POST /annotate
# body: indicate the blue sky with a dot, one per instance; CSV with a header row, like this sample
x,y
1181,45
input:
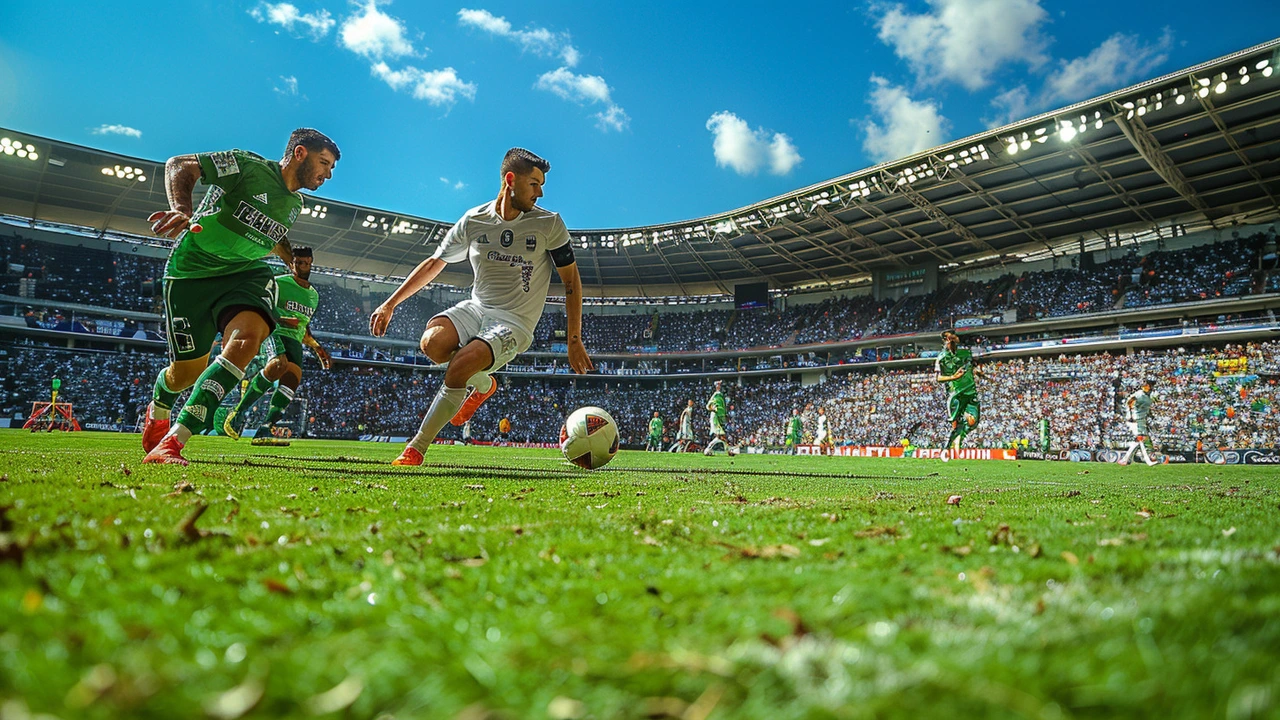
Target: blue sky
x,y
649,112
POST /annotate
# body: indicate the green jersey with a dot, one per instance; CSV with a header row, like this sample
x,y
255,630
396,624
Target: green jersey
x,y
247,210
655,427
794,427
295,301
718,405
949,363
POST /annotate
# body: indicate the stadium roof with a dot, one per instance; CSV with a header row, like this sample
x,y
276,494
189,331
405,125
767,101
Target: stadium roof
x,y
1199,148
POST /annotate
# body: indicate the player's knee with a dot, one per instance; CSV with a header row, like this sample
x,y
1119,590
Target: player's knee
x,y
275,368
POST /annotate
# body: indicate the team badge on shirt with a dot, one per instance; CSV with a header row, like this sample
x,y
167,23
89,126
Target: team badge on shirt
x,y
507,238
224,163
261,197
530,242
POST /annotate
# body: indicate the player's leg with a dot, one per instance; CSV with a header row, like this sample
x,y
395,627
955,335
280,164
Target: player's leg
x,y
505,341
290,379
473,357
243,306
262,382
189,332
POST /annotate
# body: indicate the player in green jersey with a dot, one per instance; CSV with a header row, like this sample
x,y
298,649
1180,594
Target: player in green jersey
x,y
216,280
719,409
655,433
955,367
298,299
795,431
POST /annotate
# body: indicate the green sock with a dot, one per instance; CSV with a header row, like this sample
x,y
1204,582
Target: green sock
x,y
162,397
214,382
279,402
257,389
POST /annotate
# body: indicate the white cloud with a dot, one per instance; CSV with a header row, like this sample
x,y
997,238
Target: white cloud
x,y
290,84
905,126
318,24
117,130
586,89
438,87
965,41
744,150
1119,60
537,40
374,34
455,185
1009,106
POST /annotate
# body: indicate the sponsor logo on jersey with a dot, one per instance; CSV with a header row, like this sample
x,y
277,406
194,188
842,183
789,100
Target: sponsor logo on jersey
x,y
507,238
261,197
199,411
298,307
484,239
258,220
530,242
224,163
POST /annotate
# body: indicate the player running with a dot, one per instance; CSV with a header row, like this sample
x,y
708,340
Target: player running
x,y
684,437
794,432
216,280
821,438
655,433
1137,410
955,367
296,298
512,245
719,410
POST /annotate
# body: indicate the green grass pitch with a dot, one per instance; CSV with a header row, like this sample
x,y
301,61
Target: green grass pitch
x,y
316,580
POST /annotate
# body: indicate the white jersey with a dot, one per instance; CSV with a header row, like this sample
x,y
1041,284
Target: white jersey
x,y
511,260
686,422
822,424
1141,407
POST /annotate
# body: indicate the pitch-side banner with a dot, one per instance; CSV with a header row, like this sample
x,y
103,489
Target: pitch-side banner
x,y
896,451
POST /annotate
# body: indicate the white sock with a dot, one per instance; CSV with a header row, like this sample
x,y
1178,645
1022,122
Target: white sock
x,y
481,381
1128,454
179,431
443,408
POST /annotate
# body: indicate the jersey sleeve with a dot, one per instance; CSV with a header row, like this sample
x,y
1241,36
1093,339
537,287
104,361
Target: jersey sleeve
x,y
557,234
937,366
223,169
455,244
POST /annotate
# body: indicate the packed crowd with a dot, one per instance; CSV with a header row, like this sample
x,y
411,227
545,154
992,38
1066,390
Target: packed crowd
x,y
1233,267
1224,397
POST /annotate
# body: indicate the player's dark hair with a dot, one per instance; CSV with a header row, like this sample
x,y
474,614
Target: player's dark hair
x,y
522,162
301,251
313,140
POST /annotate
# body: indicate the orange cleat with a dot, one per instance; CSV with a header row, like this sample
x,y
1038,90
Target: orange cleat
x,y
153,430
409,457
472,404
168,452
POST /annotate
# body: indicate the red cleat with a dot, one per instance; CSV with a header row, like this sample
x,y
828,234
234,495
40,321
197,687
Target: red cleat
x,y
472,404
409,457
168,452
153,430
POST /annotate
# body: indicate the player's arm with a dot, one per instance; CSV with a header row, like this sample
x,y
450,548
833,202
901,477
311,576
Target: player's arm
x,y
568,269
422,275
181,173
321,354
284,251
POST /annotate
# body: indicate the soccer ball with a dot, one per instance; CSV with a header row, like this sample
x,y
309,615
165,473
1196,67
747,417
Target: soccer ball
x,y
589,438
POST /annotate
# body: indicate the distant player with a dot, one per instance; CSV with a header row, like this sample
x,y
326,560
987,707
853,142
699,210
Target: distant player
x,y
794,432
295,298
955,367
822,438
215,280
1137,410
512,245
655,433
684,437
719,409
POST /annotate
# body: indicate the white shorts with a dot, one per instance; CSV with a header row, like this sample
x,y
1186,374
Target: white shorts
x,y
1138,428
686,433
498,329
821,438
717,428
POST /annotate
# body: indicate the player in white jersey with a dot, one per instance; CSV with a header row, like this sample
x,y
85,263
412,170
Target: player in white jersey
x,y
685,435
820,438
512,245
1137,410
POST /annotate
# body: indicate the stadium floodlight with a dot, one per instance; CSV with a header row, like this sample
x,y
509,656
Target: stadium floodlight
x,y
1067,132
1220,88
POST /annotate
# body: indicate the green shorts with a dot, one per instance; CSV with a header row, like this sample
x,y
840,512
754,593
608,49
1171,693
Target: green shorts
x,y
278,344
197,309
960,405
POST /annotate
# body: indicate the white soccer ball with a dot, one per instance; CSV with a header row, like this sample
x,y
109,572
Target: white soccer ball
x,y
589,438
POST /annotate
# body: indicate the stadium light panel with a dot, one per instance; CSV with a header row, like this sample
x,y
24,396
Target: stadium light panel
x,y
1220,88
1262,64
1203,92
1067,133
1244,80
1025,144
1181,98
1013,148
1266,71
